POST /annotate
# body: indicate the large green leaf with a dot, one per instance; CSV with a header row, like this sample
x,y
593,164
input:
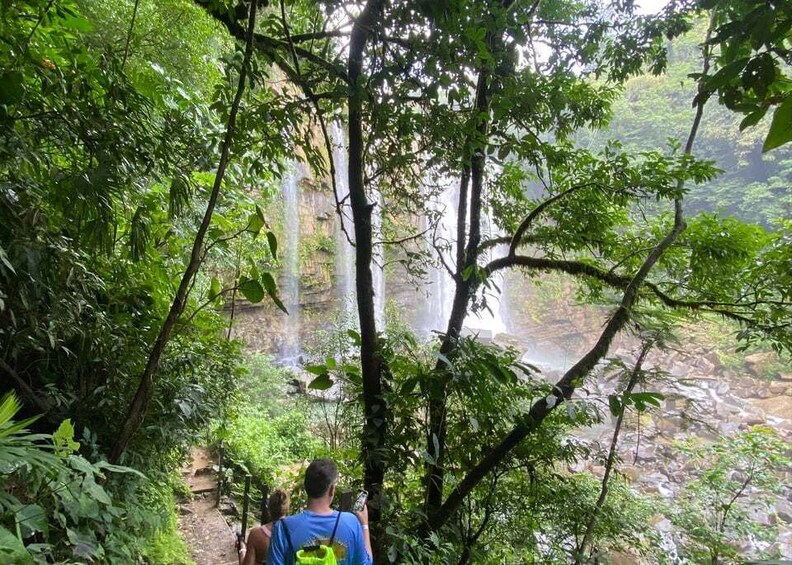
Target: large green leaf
x,y
32,518
273,244
781,126
252,290
12,551
322,382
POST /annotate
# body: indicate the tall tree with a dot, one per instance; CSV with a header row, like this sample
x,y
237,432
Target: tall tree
x,y
489,93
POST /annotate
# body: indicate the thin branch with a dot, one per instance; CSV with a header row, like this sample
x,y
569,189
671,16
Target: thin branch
x,y
634,375
300,37
38,22
129,34
403,240
145,390
526,223
25,390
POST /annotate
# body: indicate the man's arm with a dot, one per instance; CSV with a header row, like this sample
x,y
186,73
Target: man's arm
x,y
362,517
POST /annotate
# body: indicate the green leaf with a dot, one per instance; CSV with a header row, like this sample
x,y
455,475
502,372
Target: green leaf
x,y
252,290
77,23
32,518
97,493
753,118
214,288
322,382
12,551
781,127
255,223
119,469
408,386
83,545
726,74
273,244
615,405
644,398
355,337
316,369
4,259
63,439
281,306
269,283
444,359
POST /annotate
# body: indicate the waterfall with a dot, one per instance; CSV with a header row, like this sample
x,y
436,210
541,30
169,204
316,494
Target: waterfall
x,y
291,346
344,259
344,262
377,260
486,322
440,294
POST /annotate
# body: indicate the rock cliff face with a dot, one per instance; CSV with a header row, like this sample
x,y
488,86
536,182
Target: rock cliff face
x,y
263,327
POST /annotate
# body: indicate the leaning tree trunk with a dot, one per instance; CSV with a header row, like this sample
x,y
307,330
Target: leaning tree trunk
x,y
145,391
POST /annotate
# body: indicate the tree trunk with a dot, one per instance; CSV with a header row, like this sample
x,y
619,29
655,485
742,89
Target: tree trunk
x,y
374,406
145,391
467,257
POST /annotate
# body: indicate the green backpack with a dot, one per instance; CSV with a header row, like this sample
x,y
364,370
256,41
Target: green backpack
x,y
313,554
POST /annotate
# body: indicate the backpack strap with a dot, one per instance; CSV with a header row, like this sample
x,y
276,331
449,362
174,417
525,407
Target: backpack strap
x,y
288,535
332,537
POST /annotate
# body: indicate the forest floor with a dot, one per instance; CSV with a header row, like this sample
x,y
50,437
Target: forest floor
x,y
211,540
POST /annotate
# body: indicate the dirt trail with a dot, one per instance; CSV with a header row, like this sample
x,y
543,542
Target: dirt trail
x,y
211,540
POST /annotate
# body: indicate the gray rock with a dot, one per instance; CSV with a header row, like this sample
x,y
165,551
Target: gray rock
x,y
783,510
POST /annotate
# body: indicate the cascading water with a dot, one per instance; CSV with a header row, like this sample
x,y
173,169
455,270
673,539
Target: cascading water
x,y
377,261
344,253
487,322
291,345
440,291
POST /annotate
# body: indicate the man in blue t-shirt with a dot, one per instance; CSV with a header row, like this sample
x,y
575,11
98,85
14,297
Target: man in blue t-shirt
x,y
314,526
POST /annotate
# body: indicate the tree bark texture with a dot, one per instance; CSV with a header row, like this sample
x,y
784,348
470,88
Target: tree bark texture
x,y
375,408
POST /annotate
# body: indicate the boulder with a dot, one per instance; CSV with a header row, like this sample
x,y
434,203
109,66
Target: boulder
x,y
779,389
783,510
714,359
759,362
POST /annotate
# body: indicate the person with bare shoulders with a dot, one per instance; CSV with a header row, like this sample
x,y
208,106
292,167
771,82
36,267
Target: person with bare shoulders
x,y
255,550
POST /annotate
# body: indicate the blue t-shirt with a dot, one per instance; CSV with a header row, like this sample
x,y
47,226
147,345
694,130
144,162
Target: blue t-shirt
x,y
309,528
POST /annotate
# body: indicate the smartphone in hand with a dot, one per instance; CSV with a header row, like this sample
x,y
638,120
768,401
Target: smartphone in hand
x,y
360,501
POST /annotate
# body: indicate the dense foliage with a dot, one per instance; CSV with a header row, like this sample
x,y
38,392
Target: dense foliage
x,y
140,142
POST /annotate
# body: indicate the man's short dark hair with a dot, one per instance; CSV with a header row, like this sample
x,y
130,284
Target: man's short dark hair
x,y
320,475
